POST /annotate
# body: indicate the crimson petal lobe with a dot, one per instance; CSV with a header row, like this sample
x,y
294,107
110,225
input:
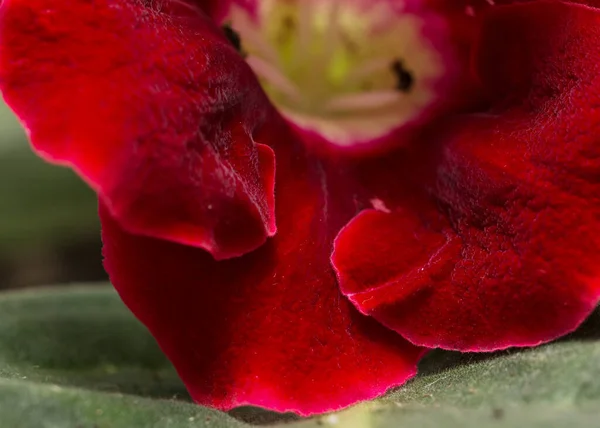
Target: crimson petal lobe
x,y
271,328
153,107
507,253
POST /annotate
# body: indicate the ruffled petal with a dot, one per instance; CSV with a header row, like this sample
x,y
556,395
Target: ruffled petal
x,y
155,110
271,328
502,247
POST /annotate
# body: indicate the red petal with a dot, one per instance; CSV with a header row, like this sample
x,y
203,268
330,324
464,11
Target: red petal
x,y
592,3
153,107
507,252
216,9
271,328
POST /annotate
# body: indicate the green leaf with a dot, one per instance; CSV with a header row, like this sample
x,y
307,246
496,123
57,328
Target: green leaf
x,y
75,357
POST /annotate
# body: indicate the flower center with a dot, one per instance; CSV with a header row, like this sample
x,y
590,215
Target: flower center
x,y
351,72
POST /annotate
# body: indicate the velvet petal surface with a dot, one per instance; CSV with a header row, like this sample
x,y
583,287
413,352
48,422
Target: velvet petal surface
x,y
271,328
503,247
216,9
153,107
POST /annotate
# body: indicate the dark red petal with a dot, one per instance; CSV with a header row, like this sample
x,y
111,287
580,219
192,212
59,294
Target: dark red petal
x,y
475,7
216,9
592,3
507,251
271,328
153,107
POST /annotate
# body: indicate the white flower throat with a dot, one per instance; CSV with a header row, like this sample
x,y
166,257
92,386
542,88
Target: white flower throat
x,y
349,71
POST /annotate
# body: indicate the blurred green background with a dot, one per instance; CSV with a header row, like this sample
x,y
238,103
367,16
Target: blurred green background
x,y
49,230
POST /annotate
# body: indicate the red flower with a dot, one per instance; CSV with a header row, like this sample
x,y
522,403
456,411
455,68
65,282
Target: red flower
x,y
444,155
